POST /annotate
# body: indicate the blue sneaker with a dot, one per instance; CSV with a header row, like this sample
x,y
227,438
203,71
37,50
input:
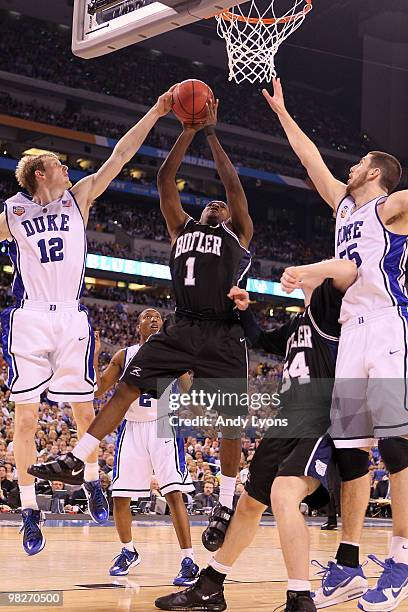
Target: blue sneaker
x,y
339,584
33,539
391,589
188,573
124,561
97,503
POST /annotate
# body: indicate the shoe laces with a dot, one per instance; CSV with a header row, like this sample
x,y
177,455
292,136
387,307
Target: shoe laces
x,y
30,527
186,567
98,495
385,580
124,556
326,570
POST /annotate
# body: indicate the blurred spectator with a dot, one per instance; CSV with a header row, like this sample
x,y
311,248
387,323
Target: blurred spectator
x,y
206,499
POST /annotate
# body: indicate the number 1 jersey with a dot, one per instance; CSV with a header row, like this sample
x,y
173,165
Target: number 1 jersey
x,y
48,250
205,262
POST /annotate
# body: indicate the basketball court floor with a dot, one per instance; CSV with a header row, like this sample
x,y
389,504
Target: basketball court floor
x,y
78,555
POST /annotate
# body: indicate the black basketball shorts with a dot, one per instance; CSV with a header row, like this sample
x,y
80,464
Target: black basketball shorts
x,y
290,457
215,351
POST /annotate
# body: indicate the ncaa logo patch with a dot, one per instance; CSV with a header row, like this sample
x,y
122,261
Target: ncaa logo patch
x,y
18,210
344,212
320,467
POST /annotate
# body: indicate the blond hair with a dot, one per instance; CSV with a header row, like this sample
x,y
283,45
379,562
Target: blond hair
x,y
26,168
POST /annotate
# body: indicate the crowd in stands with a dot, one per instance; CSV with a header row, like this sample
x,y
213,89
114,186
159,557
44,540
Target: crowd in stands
x,y
139,75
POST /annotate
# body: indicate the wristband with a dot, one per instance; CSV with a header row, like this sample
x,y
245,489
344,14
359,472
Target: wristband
x,y
209,130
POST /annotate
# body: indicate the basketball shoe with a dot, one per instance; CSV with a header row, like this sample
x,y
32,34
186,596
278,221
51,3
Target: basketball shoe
x,y
188,573
391,588
66,468
33,539
213,536
124,561
299,603
339,584
97,503
205,596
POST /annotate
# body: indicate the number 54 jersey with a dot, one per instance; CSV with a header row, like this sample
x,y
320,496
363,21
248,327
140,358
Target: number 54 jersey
x,y
48,250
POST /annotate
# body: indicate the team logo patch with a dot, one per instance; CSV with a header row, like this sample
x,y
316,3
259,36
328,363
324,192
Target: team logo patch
x,y
135,371
320,467
18,210
66,204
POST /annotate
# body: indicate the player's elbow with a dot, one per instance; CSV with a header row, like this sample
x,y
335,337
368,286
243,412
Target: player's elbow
x,y
347,274
164,176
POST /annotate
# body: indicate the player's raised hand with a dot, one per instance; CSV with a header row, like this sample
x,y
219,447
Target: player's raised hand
x,y
212,112
277,101
291,280
240,297
165,102
97,343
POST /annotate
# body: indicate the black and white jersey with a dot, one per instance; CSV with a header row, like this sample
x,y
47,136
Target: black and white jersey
x,y
205,262
309,344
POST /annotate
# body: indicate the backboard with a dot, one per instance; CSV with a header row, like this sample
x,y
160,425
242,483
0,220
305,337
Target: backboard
x,y
103,26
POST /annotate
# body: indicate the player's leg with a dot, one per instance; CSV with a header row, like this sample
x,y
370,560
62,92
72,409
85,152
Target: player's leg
x,y
25,453
166,452
344,579
392,587
208,592
98,505
128,556
188,573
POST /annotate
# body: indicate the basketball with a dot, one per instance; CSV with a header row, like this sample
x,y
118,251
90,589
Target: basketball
x,y
189,101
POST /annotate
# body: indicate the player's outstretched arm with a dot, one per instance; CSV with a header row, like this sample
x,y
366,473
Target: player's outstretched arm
x,y
90,187
170,203
111,375
236,198
329,187
342,271
271,341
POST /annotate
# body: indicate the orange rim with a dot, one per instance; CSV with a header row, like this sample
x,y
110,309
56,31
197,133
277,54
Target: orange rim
x,y
228,16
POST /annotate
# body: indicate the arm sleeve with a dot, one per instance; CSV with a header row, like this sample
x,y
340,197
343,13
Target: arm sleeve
x,y
271,341
325,307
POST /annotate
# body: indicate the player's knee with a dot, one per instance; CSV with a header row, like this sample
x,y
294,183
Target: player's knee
x,y
394,453
231,432
248,506
285,496
121,503
26,421
353,463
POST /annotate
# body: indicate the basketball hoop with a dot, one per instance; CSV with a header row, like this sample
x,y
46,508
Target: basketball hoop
x,y
253,36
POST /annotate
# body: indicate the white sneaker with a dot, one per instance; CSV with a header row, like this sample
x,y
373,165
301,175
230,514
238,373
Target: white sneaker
x,y
339,584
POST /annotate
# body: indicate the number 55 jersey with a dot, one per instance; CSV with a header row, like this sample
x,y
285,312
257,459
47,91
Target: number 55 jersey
x,y
47,340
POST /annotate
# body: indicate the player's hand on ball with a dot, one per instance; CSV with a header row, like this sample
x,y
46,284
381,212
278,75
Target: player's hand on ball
x,y
277,101
165,102
240,297
212,112
97,342
290,279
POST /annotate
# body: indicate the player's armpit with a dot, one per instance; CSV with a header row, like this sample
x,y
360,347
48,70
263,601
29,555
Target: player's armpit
x,y
4,228
111,375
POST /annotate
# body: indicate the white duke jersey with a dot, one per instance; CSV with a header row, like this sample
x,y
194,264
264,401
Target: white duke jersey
x,y
49,248
145,407
380,255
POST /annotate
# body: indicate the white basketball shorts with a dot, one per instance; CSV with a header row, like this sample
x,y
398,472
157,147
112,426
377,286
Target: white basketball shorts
x,y
139,452
370,397
49,346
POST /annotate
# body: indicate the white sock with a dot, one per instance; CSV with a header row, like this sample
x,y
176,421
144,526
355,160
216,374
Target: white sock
x,y
85,447
129,546
28,498
227,490
91,472
219,567
299,585
399,549
187,552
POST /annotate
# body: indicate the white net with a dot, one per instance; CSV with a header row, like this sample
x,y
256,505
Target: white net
x,y
253,32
